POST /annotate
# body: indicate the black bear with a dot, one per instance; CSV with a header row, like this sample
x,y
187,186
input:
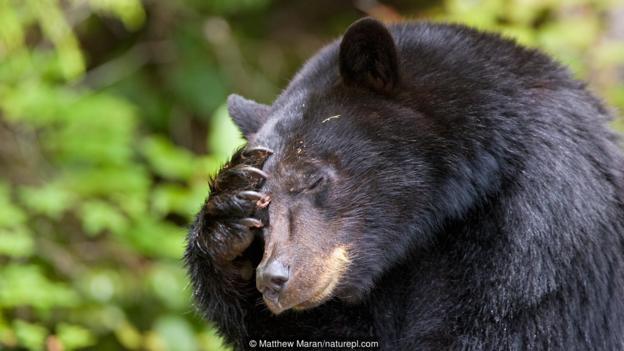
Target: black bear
x,y
425,186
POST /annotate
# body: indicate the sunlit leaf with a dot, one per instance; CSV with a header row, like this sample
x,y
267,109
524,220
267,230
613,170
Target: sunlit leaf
x,y
10,214
128,336
16,242
74,336
129,11
98,216
11,30
25,285
225,137
36,102
166,159
30,335
156,238
56,28
51,199
108,181
172,198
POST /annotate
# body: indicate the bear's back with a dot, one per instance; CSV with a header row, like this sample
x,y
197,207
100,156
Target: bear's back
x,y
435,49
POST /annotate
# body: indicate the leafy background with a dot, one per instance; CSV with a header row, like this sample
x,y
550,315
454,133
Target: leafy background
x,y
112,118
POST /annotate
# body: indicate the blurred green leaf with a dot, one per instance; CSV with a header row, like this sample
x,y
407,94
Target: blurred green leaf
x,y
74,336
56,28
233,6
51,199
16,242
25,285
36,102
225,137
169,282
210,341
98,216
108,182
171,198
128,336
129,11
30,335
101,285
10,215
156,238
166,159
107,123
198,85
176,332
610,53
7,336
11,31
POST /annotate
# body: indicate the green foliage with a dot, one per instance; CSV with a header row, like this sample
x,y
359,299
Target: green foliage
x,y
225,135
579,33
30,335
74,336
87,229
113,117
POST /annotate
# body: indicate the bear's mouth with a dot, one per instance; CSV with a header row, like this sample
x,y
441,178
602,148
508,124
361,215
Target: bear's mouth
x,y
322,288
275,305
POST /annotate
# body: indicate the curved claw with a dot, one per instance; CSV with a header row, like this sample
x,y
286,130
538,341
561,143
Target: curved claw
x,y
251,222
254,170
266,150
250,195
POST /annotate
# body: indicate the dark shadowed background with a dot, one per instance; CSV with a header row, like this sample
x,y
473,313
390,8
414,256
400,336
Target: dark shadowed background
x,y
112,118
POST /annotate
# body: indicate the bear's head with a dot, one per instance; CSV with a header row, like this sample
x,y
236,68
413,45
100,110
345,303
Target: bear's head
x,y
349,176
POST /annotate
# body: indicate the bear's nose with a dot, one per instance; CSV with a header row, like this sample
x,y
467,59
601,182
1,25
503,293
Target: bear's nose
x,y
271,278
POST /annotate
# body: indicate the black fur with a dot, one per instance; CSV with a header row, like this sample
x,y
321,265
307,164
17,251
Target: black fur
x,y
368,57
486,198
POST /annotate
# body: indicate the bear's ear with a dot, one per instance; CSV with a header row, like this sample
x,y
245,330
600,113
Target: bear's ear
x,y
368,56
248,115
